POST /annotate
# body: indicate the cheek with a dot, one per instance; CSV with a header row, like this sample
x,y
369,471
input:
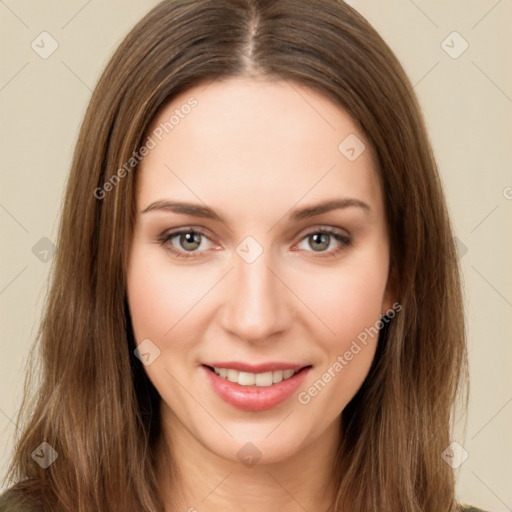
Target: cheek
x,y
160,297
348,303
162,304
148,298
346,300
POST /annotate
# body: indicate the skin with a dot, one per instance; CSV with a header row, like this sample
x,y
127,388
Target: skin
x,y
254,151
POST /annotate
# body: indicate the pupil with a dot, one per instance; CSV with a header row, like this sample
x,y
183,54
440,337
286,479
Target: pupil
x,y
322,239
190,238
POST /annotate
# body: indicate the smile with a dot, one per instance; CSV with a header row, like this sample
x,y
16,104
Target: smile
x,y
263,388
254,379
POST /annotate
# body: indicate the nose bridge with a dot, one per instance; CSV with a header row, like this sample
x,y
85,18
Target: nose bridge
x,y
255,306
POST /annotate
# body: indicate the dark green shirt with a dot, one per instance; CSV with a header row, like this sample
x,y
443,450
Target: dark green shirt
x,y
8,504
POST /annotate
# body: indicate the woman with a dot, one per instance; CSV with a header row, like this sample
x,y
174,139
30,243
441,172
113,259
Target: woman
x,y
255,301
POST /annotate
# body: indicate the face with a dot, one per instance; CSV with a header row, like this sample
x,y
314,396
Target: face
x,y
237,278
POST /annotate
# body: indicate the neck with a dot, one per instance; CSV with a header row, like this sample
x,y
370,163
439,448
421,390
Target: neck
x,y
193,478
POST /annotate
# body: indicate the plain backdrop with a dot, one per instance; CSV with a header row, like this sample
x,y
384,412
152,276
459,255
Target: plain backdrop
x,y
457,54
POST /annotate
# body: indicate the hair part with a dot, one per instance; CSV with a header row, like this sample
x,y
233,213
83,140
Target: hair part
x,y
94,404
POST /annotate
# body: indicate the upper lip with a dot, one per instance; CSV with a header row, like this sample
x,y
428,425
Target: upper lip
x,y
256,368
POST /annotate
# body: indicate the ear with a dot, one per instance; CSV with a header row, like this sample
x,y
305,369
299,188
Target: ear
x,y
390,297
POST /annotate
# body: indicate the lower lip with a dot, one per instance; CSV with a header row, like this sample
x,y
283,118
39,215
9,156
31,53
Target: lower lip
x,y
255,398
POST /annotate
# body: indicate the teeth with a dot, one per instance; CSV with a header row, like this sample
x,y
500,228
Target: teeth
x,y
263,379
233,375
288,373
277,376
254,379
246,379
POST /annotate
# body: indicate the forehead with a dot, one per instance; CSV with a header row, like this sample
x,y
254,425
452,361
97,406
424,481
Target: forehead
x,y
249,142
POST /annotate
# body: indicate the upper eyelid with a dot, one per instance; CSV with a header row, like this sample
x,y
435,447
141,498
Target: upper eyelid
x,y
204,231
326,227
332,230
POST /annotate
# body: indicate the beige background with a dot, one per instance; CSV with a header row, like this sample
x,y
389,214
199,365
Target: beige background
x,y
468,107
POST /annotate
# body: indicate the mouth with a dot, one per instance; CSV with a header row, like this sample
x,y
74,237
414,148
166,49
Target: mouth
x,y
256,390
257,379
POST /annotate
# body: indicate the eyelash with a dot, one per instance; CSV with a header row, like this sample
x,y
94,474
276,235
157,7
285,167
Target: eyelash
x,y
344,240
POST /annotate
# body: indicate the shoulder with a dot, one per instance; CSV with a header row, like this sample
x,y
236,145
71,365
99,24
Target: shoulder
x,y
14,501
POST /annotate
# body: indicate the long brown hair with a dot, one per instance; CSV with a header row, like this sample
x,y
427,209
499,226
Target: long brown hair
x,y
95,406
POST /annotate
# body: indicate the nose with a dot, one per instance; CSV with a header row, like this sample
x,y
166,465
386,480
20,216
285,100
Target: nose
x,y
257,305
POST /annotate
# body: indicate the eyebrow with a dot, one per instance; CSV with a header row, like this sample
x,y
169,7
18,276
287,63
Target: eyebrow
x,y
197,210
327,206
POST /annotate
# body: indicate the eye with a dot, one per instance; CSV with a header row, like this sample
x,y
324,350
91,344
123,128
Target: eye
x,y
193,243
185,242
326,242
